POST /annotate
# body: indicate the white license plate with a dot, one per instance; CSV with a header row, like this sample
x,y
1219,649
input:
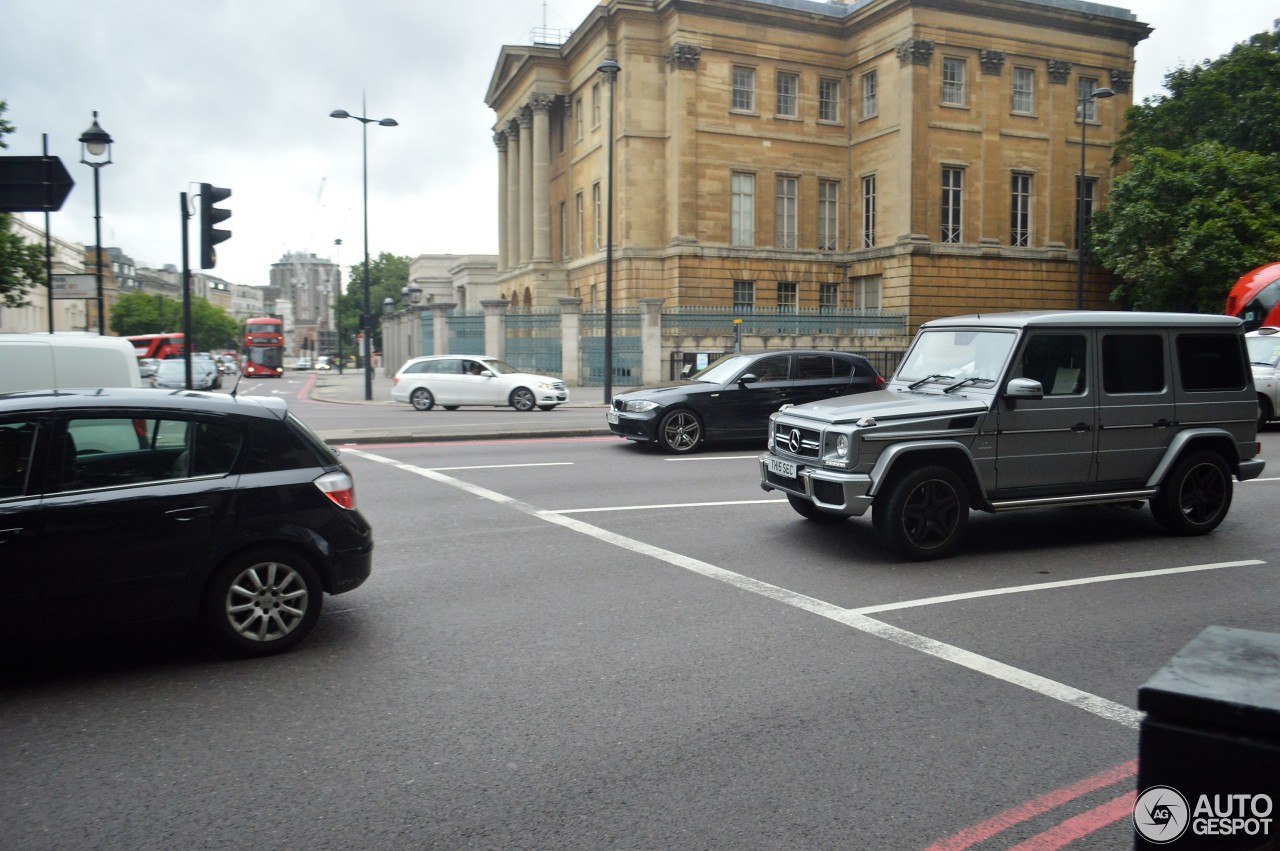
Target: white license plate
x,y
782,468
611,417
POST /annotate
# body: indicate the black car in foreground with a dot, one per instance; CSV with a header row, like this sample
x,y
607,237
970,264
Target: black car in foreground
x,y
121,506
733,397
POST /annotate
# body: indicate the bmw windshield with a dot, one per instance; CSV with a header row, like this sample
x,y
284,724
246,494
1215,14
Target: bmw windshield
x,y
722,370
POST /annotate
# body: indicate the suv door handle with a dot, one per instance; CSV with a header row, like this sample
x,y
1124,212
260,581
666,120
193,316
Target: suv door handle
x,y
1082,427
1163,423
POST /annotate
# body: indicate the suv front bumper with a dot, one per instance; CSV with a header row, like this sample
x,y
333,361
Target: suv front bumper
x,y
847,494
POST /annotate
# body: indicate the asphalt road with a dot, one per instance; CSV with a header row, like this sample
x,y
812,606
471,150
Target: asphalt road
x,y
582,643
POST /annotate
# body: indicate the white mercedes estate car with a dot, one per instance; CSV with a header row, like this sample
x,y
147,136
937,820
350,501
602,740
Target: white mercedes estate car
x,y
452,381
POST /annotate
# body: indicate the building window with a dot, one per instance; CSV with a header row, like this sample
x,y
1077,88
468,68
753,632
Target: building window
x,y
1020,211
788,297
785,213
581,225
788,94
869,211
1024,90
828,298
828,215
1086,190
1087,86
743,210
577,119
953,82
865,294
599,215
744,296
870,95
595,105
744,89
952,200
828,100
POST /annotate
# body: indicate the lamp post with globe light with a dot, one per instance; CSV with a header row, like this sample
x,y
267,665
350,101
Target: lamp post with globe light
x,y
95,144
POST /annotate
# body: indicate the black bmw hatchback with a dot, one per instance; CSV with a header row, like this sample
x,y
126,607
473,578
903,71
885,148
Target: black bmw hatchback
x,y
121,506
733,397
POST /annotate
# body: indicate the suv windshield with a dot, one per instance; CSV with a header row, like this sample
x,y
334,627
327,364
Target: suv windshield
x,y
947,356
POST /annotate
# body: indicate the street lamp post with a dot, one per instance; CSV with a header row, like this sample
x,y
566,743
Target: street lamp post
x,y
610,68
95,143
1096,94
337,243
366,317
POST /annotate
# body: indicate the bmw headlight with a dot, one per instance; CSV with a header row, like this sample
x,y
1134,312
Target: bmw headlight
x,y
641,406
842,446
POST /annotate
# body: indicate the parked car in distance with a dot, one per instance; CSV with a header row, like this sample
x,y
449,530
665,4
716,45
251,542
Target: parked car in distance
x,y
452,381
304,364
324,362
1264,357
147,367
125,506
1013,411
172,374
733,397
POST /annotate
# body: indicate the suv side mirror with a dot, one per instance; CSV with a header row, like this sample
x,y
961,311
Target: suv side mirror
x,y
1023,388
749,378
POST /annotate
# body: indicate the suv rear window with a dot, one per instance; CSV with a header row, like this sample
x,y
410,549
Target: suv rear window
x,y
1210,362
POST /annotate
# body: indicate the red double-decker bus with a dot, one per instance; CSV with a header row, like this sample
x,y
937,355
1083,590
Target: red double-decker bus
x,y
159,346
1255,298
264,347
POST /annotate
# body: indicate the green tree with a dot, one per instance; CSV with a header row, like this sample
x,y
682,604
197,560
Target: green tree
x,y
1200,205
140,313
21,263
388,275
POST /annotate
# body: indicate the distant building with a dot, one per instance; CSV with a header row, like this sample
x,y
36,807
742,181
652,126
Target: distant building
x,y
461,279
886,155
68,259
303,292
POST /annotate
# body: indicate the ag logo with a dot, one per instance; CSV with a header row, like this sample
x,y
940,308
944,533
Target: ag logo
x,y
1161,814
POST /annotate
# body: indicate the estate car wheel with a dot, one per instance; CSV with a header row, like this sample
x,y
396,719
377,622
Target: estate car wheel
x,y
1195,496
923,514
809,511
263,602
680,432
522,399
422,400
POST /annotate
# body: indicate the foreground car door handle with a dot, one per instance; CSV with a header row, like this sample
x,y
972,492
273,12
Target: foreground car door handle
x,y
190,512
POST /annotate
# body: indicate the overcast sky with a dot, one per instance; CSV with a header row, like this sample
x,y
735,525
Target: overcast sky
x,y
237,93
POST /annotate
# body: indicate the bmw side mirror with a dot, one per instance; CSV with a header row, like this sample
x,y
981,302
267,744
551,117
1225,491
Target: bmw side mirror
x,y
749,378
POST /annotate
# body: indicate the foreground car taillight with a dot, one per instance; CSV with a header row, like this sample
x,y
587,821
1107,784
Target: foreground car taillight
x,y
880,382
339,488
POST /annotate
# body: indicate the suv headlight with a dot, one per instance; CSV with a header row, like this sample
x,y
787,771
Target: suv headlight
x,y
842,446
641,406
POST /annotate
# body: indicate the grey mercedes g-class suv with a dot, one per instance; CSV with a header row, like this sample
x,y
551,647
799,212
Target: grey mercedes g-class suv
x,y
1009,411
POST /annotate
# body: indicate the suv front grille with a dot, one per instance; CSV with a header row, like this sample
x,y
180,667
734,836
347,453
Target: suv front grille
x,y
794,440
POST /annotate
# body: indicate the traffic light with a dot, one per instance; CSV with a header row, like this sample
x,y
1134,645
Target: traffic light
x,y
210,216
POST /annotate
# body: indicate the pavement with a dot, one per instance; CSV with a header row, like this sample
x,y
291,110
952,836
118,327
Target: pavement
x,y
348,388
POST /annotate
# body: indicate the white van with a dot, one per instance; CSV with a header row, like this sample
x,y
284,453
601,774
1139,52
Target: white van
x,y
59,361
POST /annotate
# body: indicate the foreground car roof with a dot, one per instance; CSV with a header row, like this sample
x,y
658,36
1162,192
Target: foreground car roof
x,y
268,407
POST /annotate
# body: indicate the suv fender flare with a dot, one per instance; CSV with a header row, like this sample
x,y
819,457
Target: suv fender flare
x,y
1183,439
950,449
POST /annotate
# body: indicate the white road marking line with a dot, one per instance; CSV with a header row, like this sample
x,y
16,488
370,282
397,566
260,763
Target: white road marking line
x,y
1040,586
664,505
718,458
1272,479
508,466
1069,695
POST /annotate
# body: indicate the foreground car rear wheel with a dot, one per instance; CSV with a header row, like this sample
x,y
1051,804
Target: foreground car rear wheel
x,y
680,432
422,400
263,602
522,399
1195,496
923,514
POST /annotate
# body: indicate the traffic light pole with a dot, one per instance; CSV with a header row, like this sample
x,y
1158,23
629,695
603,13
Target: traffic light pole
x,y
187,342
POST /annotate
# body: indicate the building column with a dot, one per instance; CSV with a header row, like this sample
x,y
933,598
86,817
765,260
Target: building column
x,y
526,184
651,340
440,326
570,334
540,104
495,326
500,141
513,194
682,111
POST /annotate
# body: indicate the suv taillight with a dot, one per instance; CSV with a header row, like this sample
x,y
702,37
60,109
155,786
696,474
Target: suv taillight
x,y
339,488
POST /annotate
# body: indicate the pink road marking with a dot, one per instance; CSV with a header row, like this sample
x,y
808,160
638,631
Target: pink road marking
x,y
971,836
1078,827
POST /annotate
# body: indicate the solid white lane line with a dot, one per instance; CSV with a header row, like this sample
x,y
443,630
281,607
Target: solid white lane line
x,y
507,466
664,505
1040,586
718,458
1069,695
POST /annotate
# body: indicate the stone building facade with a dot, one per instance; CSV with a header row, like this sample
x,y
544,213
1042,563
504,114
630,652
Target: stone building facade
x,y
911,156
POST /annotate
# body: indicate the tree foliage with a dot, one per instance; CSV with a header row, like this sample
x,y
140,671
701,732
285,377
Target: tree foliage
x,y
1200,205
21,263
140,313
388,275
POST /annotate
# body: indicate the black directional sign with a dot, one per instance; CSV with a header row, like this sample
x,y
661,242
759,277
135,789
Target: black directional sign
x,y
33,184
